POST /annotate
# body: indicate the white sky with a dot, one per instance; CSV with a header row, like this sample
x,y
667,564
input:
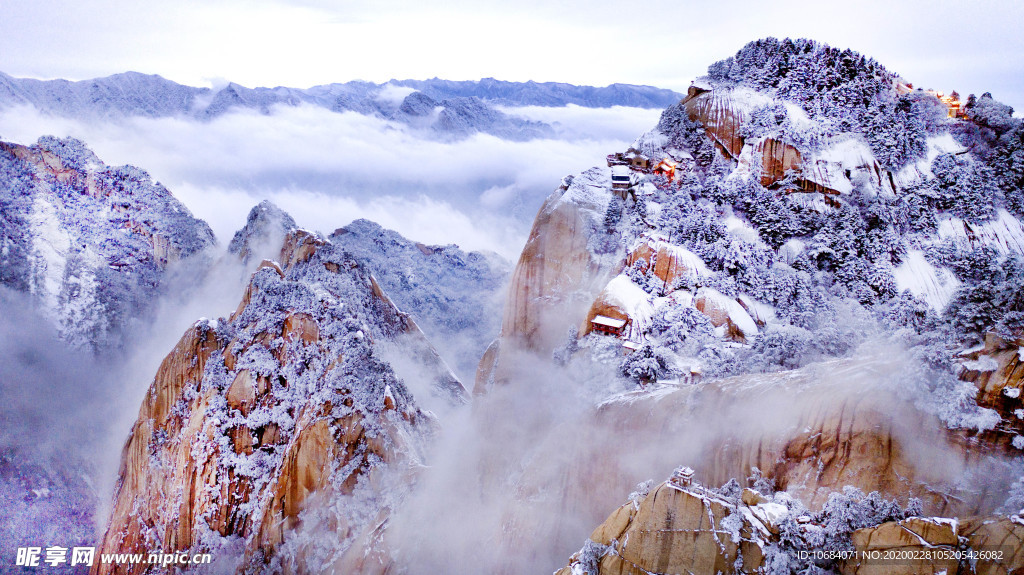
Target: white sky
x,y
942,44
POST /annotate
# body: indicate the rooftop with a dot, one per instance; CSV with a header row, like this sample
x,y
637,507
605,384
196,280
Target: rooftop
x,y
608,321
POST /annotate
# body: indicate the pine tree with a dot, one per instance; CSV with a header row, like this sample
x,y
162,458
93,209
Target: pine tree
x,y
613,214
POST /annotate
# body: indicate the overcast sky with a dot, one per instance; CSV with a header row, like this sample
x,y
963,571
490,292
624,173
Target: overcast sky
x,y
943,44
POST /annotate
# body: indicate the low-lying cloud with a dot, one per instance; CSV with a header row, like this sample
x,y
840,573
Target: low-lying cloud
x,y
578,122
517,483
328,168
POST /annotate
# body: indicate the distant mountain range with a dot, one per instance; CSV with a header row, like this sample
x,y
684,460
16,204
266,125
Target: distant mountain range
x,y
447,108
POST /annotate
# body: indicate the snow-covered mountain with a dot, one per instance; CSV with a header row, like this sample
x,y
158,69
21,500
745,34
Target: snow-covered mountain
x,y
86,252
802,205
446,109
90,243
453,295
295,437
797,299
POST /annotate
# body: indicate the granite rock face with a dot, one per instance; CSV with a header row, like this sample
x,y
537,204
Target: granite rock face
x,y
277,437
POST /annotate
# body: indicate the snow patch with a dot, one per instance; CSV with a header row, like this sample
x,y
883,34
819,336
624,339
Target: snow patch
x,y
984,363
737,315
770,513
1011,392
791,250
922,169
849,154
590,190
694,264
50,249
1004,233
760,312
935,286
970,350
746,100
742,230
632,300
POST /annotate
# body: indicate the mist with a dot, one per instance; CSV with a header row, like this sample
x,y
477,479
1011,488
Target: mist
x,y
65,413
518,482
515,482
328,168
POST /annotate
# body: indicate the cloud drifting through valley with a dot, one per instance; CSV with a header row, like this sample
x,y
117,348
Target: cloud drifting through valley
x,y
329,168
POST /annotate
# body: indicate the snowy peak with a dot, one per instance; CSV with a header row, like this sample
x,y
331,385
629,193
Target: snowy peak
x,y
89,242
264,230
284,405
544,93
451,294
798,207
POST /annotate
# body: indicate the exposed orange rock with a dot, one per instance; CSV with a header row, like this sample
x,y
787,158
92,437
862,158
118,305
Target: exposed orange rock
x,y
299,245
300,327
676,530
555,280
680,530
671,263
912,538
776,159
724,311
555,262
1003,536
242,392
721,119
227,446
272,265
485,371
839,429
139,525
1001,384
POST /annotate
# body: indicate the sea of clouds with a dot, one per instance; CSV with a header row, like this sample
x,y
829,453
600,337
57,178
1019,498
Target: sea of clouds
x,y
328,168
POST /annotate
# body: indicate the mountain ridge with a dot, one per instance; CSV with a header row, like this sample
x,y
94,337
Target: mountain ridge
x,y
455,109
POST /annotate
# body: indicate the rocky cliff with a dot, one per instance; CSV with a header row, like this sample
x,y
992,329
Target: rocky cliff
x,y
681,526
90,243
778,223
558,273
995,368
277,438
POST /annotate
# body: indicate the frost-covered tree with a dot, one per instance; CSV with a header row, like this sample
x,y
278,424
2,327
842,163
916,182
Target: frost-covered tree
x,y
683,329
906,310
896,132
613,214
824,80
698,229
963,187
992,295
647,364
987,112
687,134
764,121
1008,166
